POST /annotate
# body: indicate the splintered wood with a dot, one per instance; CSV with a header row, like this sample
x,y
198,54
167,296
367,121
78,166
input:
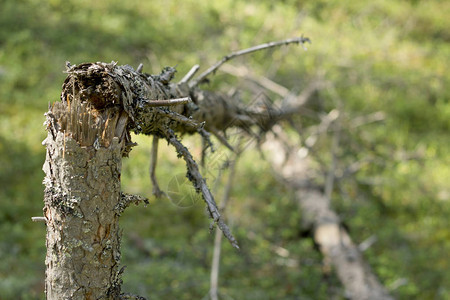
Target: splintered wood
x,y
87,125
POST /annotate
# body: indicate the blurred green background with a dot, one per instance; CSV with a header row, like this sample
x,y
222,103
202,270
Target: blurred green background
x,y
390,56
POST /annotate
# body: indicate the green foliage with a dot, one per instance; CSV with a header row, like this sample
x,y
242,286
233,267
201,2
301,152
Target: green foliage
x,y
381,55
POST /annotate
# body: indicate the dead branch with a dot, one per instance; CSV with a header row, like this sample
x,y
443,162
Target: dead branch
x,y
214,278
38,219
200,186
289,104
152,170
301,40
169,102
139,68
262,81
189,74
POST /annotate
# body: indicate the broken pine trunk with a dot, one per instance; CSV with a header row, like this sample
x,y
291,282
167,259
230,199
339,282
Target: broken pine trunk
x,y
82,200
88,134
82,203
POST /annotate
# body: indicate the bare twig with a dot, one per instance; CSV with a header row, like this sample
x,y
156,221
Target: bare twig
x,y
214,278
139,68
153,160
199,184
38,219
169,102
291,103
190,74
259,80
216,66
182,119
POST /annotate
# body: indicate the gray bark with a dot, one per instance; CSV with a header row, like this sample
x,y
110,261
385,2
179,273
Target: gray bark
x,y
83,238
82,201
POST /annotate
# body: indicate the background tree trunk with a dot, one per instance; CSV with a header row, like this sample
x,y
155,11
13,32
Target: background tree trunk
x,y
334,242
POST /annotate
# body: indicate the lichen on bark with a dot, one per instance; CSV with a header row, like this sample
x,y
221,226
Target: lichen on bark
x,y
82,187
87,138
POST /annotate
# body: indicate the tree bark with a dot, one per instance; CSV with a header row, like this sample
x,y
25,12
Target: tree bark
x,y
83,238
82,203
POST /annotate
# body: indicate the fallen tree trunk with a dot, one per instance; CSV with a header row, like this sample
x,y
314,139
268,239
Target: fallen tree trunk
x,y
337,247
333,240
